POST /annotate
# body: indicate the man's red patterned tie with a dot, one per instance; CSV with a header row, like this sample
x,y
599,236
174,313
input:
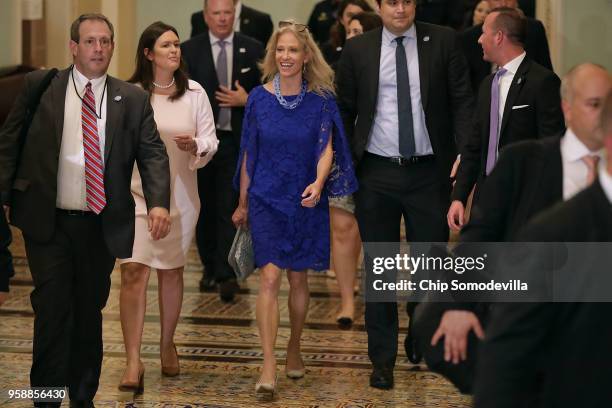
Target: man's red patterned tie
x,y
94,170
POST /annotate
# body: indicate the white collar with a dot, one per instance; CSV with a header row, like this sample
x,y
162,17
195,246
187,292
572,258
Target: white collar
x,y
389,37
213,39
573,149
514,64
81,81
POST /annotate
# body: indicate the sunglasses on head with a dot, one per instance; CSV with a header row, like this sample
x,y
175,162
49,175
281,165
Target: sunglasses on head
x,y
299,27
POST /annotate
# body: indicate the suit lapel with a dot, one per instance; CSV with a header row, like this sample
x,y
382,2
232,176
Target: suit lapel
x,y
485,113
237,59
114,113
58,95
515,89
209,62
424,51
373,65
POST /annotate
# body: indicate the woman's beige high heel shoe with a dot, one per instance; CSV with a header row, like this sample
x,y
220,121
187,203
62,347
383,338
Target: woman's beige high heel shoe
x,y
135,387
171,371
266,391
296,374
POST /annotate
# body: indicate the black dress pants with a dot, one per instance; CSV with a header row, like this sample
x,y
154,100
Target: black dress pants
x,y
215,230
71,276
387,192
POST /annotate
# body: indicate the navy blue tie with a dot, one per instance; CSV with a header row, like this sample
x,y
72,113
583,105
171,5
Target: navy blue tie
x,y
404,102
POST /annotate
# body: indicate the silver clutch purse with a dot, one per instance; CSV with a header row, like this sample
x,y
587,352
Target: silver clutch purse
x,y
241,257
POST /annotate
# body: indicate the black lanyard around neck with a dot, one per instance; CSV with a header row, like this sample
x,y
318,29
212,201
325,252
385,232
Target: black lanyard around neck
x,y
94,108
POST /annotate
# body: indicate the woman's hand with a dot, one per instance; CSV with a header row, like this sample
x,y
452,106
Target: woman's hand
x,y
312,195
240,216
186,143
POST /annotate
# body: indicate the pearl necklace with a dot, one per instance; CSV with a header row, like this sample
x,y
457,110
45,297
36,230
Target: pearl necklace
x,y
282,101
155,84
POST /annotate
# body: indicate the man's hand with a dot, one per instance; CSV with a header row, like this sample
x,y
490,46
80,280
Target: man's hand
x,y
456,216
159,223
229,99
3,297
454,327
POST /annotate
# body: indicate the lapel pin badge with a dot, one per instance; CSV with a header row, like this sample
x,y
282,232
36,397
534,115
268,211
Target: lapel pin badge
x,y
246,21
519,81
426,38
242,50
117,98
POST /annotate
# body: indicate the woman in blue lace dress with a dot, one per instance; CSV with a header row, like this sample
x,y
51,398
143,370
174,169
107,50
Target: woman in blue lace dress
x,y
293,156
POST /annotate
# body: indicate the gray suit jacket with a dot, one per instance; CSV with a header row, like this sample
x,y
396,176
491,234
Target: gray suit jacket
x,y
131,135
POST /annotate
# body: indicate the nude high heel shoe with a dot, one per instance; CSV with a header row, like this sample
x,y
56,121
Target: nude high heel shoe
x,y
266,391
171,371
135,387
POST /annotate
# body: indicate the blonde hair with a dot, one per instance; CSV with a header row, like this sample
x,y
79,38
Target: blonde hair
x,y
317,73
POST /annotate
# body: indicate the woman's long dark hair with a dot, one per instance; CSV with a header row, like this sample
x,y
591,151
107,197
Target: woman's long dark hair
x,y
143,74
337,33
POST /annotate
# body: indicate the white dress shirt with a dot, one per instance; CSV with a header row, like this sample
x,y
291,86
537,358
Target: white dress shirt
x,y
605,179
229,51
505,81
71,166
575,170
384,136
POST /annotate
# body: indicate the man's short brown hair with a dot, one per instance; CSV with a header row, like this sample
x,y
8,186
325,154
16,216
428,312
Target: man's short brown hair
x,y
76,24
512,23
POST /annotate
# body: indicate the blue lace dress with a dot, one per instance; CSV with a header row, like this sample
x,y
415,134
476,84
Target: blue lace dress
x,y
283,148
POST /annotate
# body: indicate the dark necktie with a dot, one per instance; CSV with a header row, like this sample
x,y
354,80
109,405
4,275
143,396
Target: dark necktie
x,y
404,102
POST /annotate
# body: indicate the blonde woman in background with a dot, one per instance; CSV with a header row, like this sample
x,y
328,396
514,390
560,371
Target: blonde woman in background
x,y
291,135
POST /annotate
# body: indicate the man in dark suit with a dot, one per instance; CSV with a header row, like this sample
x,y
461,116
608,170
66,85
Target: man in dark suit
x,y
521,101
536,46
530,177
557,354
224,62
323,16
403,108
71,198
247,20
442,12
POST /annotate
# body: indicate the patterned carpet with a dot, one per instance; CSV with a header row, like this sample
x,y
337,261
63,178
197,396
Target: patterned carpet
x,y
220,356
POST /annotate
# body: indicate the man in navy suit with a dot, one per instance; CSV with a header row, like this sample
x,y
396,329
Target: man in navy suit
x,y
404,107
224,62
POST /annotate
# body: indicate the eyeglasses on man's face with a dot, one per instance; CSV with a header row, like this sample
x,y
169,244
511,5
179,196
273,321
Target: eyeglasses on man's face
x,y
104,42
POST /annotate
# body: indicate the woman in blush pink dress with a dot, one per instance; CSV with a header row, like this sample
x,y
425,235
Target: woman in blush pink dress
x,y
185,121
